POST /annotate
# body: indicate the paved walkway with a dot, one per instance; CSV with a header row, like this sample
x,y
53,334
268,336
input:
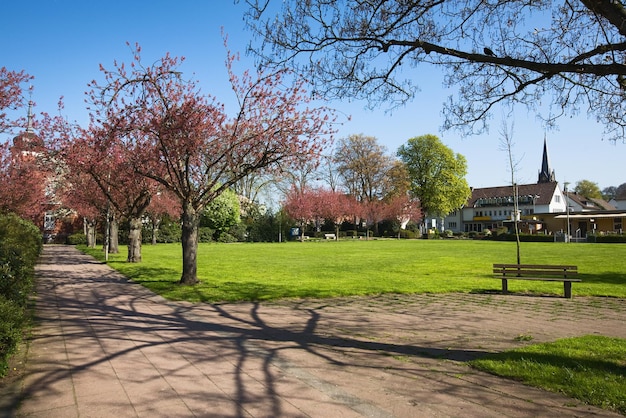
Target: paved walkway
x,y
105,347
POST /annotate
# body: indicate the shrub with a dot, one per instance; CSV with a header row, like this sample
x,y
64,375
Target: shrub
x,y
205,234
76,239
503,230
12,321
169,231
408,234
525,237
613,238
20,246
239,232
225,237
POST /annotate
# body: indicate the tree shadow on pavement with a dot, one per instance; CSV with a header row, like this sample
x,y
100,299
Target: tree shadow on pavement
x,y
243,350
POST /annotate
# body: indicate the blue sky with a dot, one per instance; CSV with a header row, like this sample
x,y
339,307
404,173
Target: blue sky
x,y
62,43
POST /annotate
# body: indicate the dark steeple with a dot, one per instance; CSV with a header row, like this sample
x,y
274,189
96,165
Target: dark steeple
x,y
28,141
546,175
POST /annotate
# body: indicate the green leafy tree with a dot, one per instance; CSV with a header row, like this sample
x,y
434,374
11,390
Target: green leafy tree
x,y
222,212
588,189
437,175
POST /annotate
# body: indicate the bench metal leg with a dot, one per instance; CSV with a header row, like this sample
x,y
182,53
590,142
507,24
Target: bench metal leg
x,y
567,287
505,286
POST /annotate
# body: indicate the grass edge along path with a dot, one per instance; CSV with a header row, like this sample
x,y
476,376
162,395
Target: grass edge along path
x,y
591,369
267,271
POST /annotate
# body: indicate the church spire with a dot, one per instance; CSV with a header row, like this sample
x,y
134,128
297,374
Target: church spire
x,y
29,126
546,175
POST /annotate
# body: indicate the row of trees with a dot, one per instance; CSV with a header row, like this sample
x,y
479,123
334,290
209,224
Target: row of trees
x,y
365,185
590,189
155,144
154,148
152,133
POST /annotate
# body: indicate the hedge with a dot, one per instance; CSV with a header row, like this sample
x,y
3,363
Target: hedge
x,y
20,246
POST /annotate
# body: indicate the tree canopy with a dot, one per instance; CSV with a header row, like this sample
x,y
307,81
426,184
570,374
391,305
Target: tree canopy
x,y
11,97
494,52
364,167
222,212
185,141
436,173
588,188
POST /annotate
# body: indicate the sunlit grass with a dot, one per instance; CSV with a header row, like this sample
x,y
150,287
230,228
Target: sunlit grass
x,y
591,369
265,271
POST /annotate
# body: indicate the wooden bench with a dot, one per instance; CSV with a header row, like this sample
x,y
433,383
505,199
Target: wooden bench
x,y
330,236
545,272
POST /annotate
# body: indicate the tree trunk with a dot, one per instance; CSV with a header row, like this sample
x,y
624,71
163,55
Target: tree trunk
x,y
134,241
191,221
155,230
114,233
90,232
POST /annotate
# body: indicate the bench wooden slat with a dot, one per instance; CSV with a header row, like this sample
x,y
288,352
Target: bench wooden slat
x,y
546,279
557,273
536,266
512,272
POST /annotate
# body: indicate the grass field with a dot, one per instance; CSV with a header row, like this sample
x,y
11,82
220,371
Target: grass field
x,y
246,271
590,368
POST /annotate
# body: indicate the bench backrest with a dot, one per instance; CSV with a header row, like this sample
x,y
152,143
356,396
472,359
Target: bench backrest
x,y
538,269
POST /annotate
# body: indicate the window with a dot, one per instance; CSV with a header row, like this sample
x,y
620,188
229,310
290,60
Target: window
x,y
617,224
451,225
49,222
473,227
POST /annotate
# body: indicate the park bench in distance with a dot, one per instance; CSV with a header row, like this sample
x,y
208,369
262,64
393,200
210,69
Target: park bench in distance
x,y
330,236
544,272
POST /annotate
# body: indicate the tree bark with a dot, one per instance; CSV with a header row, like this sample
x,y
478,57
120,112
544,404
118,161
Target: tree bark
x,y
114,233
155,230
134,241
90,232
191,221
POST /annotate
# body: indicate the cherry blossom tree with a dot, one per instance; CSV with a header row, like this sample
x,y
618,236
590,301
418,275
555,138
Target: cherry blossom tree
x,y
302,205
162,204
109,161
334,206
187,142
21,176
11,98
23,183
403,209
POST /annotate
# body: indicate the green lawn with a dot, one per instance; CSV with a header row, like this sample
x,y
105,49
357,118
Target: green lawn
x,y
237,272
591,369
